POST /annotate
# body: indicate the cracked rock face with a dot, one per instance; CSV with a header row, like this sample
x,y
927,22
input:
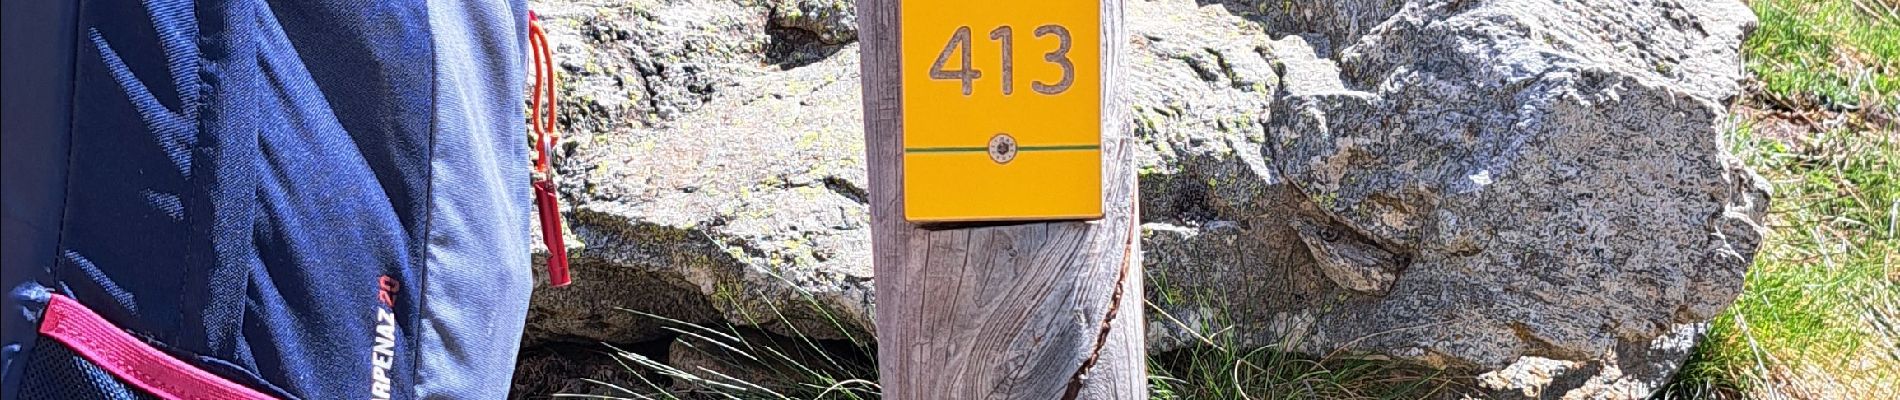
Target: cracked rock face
x,y
1544,192
743,203
1534,187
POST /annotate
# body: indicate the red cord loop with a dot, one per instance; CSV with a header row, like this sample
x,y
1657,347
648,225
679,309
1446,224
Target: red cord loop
x,y
541,96
541,105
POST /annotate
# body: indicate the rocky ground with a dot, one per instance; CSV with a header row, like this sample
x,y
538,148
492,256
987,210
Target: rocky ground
x,y
1534,191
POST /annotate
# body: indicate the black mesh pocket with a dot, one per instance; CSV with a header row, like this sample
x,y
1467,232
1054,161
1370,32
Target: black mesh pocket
x,y
56,372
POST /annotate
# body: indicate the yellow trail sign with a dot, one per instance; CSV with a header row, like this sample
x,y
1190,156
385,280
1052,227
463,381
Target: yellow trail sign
x,y
1002,109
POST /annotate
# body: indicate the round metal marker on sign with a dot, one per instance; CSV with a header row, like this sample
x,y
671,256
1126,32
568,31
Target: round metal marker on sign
x,y
1002,148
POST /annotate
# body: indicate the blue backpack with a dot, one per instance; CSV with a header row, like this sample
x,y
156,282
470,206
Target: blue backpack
x,y
265,199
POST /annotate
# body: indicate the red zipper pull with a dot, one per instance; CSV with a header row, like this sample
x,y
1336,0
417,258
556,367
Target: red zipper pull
x,y
546,200
546,204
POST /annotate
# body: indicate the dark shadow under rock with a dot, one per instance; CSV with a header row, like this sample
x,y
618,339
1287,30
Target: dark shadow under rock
x,y
545,370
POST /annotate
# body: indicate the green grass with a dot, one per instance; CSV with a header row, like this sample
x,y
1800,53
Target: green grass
x,y
1818,314
1836,54
1816,309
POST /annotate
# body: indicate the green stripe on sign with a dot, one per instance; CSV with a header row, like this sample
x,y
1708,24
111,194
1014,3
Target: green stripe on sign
x,y
978,149
1060,148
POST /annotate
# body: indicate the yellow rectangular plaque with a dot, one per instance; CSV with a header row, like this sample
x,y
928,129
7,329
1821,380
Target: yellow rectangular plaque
x,y
1002,109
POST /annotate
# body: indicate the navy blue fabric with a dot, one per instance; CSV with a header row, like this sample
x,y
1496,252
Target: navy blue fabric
x,y
217,202
243,175
36,38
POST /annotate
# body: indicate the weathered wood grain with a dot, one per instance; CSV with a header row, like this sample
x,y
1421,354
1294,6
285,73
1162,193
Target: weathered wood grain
x,y
1025,311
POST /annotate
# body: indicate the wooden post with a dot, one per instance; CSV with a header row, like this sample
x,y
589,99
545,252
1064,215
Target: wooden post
x,y
1041,310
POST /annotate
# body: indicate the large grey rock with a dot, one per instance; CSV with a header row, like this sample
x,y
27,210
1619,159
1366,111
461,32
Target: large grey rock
x,y
1536,191
750,211
1634,370
1527,186
1466,184
743,205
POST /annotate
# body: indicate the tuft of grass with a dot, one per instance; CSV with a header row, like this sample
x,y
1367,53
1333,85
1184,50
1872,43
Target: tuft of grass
x,y
1820,308
1817,312
1819,315
1219,366
749,364
1832,54
745,365
1225,372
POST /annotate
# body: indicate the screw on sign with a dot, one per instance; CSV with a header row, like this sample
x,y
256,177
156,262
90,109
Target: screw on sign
x,y
1002,148
1031,80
